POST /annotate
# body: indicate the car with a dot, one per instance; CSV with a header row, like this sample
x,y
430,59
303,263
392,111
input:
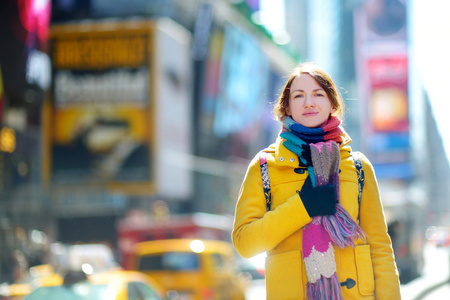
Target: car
x,y
190,269
108,285
39,275
96,257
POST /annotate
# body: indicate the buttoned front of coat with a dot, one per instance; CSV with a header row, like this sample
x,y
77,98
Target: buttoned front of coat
x,y
279,232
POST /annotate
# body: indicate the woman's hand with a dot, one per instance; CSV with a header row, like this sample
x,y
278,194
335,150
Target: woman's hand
x,y
319,201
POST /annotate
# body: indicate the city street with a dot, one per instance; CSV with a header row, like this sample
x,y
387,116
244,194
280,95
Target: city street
x,y
434,283
142,134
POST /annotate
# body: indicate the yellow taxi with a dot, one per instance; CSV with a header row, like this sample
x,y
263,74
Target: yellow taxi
x,y
190,269
108,285
40,275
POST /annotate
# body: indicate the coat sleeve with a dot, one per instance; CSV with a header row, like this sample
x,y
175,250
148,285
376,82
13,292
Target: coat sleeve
x,y
373,222
255,230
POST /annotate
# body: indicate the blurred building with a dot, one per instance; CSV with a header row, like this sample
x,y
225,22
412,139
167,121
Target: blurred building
x,y
82,158
429,106
25,75
176,110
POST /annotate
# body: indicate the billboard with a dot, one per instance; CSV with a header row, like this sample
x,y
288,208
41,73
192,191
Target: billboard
x,y
243,81
99,120
382,67
389,97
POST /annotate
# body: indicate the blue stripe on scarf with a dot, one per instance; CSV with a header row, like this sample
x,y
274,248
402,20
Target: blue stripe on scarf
x,y
312,135
293,143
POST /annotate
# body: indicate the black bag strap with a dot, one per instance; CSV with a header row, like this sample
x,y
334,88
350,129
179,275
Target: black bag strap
x,y
360,174
266,179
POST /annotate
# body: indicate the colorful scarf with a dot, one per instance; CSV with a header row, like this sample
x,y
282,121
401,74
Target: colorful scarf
x,y
318,149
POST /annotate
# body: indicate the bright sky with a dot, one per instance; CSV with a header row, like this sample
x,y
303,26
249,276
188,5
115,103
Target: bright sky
x,y
432,40
272,15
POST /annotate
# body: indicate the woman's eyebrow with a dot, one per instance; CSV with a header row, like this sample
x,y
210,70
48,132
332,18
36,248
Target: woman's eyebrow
x,y
300,90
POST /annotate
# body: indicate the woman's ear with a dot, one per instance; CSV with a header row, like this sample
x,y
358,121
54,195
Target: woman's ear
x,y
288,111
333,110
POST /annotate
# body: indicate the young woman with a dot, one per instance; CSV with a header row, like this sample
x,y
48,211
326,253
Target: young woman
x,y
324,238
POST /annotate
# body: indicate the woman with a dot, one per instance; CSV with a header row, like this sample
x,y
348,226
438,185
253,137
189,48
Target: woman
x,y
321,242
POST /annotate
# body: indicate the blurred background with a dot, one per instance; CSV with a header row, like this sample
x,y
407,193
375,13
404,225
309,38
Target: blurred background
x,y
129,121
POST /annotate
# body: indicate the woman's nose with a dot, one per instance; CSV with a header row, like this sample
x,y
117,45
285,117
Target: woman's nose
x,y
309,102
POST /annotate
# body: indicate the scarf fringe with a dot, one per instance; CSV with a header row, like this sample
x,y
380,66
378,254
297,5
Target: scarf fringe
x,y
342,229
324,289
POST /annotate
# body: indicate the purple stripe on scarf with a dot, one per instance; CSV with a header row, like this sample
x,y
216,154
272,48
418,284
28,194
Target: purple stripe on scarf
x,y
325,289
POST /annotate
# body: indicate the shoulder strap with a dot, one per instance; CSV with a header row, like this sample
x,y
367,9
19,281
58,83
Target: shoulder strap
x,y
360,174
265,179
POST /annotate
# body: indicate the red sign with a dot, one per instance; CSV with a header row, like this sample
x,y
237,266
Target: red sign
x,y
389,93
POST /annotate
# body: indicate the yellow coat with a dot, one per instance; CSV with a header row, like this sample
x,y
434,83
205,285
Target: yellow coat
x,y
279,232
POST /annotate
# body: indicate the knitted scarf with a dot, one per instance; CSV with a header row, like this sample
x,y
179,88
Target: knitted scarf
x,y
318,149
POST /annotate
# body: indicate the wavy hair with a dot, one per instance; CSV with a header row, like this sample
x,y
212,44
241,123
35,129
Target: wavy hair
x,y
322,78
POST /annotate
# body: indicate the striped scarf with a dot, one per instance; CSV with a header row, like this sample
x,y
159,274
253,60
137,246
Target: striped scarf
x,y
322,232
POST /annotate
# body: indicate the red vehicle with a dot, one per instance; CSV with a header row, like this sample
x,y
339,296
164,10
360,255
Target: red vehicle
x,y
139,227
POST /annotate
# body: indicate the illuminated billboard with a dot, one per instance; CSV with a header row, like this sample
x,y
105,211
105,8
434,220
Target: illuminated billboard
x,y
99,121
389,93
243,81
382,68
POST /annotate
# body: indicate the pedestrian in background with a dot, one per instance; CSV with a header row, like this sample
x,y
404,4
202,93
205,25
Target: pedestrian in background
x,y
314,205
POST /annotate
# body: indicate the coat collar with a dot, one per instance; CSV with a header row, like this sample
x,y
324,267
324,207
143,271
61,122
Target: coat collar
x,y
284,157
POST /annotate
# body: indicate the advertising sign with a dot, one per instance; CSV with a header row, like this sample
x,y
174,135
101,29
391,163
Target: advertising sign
x,y
389,99
382,65
101,111
243,83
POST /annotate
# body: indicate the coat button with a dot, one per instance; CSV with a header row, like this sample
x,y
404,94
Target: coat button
x,y
292,159
281,158
349,283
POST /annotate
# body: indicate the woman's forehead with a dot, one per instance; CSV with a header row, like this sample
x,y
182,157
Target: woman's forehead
x,y
304,81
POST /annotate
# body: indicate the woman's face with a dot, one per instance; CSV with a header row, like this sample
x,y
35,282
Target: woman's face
x,y
309,104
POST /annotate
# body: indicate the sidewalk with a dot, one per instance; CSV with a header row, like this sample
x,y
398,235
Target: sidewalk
x,y
434,283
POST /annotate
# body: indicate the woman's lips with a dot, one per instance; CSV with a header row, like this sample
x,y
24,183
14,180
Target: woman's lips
x,y
309,114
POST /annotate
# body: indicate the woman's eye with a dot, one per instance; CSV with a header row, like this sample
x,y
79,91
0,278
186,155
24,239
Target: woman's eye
x,y
320,95
298,96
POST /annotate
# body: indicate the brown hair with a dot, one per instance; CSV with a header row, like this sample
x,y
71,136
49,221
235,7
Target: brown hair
x,y
322,78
